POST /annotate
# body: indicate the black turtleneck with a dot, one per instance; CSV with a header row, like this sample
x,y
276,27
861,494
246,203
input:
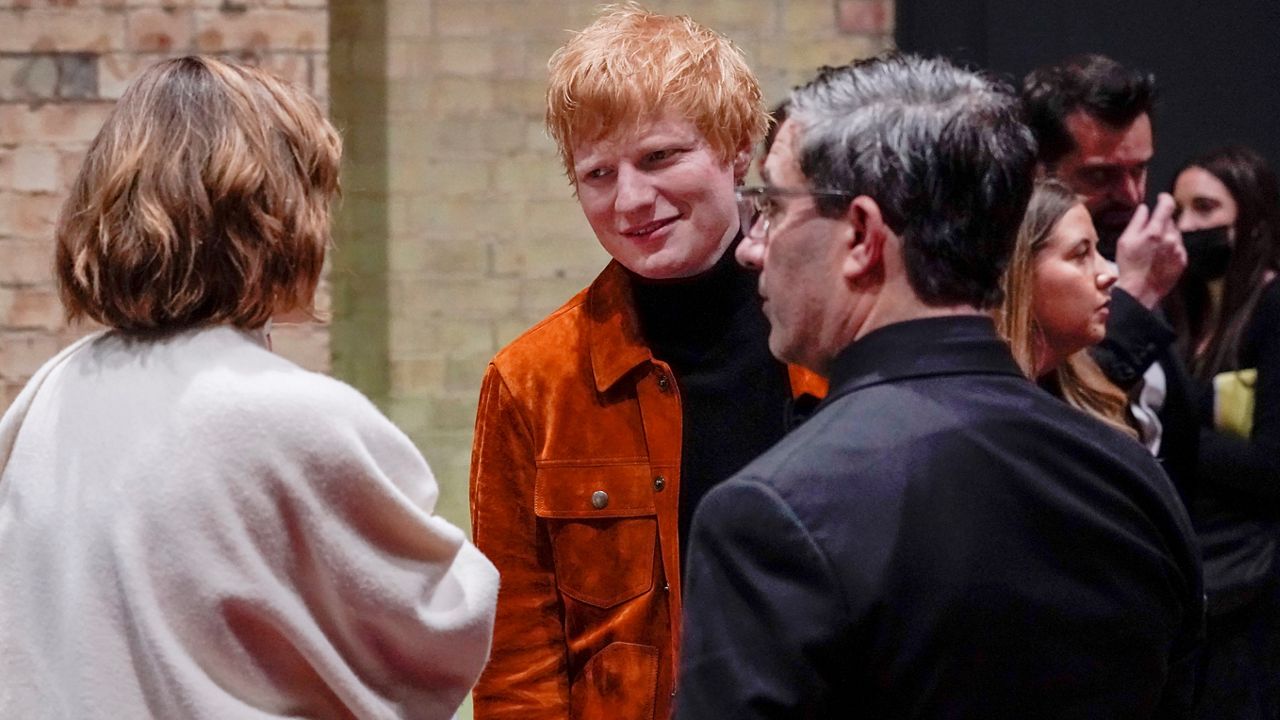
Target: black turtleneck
x,y
734,395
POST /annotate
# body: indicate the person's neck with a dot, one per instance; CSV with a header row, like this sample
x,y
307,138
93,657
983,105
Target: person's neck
x,y
1044,359
889,313
872,312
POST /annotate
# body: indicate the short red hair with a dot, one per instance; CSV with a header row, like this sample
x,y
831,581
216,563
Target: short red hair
x,y
632,63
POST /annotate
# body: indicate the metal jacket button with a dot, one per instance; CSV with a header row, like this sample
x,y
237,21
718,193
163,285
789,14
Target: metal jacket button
x,y
663,383
599,499
659,483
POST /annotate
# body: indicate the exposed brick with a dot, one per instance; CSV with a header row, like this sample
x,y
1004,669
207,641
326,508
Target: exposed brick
x,y
473,18
411,251
77,76
35,78
35,169
24,262
453,411
289,66
5,180
61,30
260,31
33,215
466,57
60,123
539,296
802,57
162,30
873,17
734,17
318,68
418,376
22,353
449,178
408,19
307,344
69,162
32,308
426,297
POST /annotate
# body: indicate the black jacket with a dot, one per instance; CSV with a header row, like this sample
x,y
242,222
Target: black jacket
x,y
941,539
1237,505
1136,338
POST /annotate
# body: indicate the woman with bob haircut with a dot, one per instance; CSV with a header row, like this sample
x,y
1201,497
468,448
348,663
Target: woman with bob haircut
x,y
1057,293
599,428
1227,313
190,525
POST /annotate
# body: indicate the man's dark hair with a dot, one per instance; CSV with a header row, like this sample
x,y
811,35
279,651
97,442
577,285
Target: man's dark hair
x,y
943,152
777,116
1103,88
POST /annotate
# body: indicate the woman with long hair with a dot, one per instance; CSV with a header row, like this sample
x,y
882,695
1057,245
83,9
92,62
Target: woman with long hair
x,y
1228,316
1057,293
190,525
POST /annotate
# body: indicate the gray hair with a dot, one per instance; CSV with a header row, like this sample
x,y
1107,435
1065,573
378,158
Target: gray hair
x,y
942,151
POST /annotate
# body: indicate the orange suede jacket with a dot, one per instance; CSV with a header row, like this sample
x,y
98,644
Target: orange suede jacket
x,y
575,480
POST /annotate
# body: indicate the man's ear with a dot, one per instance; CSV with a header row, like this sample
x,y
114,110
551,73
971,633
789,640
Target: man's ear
x,y
865,240
742,163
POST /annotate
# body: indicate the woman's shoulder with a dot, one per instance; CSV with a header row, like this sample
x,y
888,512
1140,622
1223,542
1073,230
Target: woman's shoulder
x,y
246,391
1266,313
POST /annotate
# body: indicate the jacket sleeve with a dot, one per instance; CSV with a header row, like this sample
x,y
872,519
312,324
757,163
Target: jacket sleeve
x,y
1251,465
331,560
527,675
1135,337
762,611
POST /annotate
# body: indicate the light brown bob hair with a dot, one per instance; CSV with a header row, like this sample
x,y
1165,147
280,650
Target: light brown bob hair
x,y
1082,382
204,199
632,63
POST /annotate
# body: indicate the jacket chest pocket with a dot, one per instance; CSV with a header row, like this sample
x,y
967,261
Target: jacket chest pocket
x,y
603,527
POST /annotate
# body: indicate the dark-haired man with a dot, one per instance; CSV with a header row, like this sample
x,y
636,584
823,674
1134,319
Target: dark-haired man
x,y
1092,120
940,539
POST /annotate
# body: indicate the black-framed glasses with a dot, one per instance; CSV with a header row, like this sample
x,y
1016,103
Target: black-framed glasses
x,y
758,205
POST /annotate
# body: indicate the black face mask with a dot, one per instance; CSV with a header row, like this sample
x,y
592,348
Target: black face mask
x,y
1208,252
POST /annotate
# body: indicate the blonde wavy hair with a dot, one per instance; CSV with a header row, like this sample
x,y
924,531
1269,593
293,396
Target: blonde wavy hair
x,y
204,199
632,63
1082,382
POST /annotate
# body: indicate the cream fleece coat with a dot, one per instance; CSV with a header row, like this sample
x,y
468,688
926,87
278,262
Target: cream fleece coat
x,y
193,527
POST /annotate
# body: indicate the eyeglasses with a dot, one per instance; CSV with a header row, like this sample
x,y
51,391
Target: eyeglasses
x,y
760,203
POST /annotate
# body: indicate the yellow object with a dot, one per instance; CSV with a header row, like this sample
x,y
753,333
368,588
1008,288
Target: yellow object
x,y
1233,401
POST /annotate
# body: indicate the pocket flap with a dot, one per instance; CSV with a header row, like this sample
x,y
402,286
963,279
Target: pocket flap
x,y
593,491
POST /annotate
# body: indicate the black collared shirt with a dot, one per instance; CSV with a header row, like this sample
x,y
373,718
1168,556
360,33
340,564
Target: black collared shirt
x,y
941,539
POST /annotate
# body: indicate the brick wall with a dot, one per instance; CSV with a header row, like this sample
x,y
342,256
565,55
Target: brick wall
x,y
458,228
62,65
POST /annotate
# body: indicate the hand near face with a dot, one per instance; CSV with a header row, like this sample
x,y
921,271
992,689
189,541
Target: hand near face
x,y
1149,253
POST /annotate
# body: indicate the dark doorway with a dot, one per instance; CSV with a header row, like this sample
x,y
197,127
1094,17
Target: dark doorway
x,y
1217,63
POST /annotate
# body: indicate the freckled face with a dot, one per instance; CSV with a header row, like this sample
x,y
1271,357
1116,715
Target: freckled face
x,y
658,197
1071,287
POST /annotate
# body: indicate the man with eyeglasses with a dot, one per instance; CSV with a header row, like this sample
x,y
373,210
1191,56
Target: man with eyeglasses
x,y
601,427
940,539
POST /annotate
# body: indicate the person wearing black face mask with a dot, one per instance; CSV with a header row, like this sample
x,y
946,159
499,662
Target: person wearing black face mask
x,y
1227,313
1208,252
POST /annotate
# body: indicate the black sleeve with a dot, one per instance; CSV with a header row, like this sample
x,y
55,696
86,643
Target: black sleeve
x,y
1252,465
763,612
1135,336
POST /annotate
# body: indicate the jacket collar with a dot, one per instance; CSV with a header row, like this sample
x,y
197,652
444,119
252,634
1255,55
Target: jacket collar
x,y
617,346
920,348
614,332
